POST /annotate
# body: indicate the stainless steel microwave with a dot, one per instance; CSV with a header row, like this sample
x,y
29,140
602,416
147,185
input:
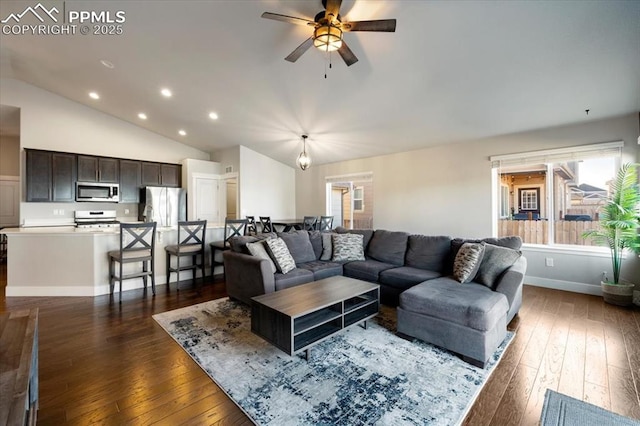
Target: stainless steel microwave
x,y
98,192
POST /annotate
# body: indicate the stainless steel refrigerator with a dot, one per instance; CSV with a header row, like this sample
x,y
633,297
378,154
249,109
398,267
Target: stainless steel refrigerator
x,y
163,205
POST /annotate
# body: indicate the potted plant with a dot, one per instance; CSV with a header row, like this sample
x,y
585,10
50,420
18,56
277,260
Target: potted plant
x,y
619,222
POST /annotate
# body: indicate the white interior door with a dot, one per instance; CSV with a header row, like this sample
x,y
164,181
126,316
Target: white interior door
x,y
9,201
206,199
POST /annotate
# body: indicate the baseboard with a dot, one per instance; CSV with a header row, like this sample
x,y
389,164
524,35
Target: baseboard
x,y
572,286
50,291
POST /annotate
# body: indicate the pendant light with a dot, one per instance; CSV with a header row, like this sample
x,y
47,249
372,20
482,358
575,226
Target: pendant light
x,y
304,161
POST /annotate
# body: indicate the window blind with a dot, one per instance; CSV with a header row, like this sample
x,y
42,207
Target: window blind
x,y
558,155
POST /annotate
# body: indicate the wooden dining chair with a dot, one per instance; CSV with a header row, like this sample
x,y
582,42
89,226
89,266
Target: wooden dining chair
x,y
232,228
191,235
252,229
310,223
326,223
137,244
265,223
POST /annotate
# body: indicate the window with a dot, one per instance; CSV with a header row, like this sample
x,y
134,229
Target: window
x,y
528,199
358,199
554,195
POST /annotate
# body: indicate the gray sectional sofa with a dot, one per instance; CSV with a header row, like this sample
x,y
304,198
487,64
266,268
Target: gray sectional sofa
x,y
414,273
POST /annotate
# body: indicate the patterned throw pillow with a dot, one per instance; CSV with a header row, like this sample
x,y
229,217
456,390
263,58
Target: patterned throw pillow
x,y
467,262
259,250
281,255
347,247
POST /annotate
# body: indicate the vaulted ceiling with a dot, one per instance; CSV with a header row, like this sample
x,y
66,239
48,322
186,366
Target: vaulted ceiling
x,y
452,71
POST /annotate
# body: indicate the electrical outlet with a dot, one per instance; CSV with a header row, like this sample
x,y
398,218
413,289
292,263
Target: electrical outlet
x,y
548,261
61,212
55,212
126,211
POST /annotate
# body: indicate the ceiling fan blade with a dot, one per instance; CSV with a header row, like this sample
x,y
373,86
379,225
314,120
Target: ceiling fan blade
x,y
347,55
333,8
383,25
293,56
289,19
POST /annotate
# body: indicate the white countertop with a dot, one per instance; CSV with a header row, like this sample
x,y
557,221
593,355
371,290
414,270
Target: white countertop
x,y
67,230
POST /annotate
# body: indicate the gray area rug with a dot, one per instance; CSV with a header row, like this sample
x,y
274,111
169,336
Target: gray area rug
x,y
358,376
562,410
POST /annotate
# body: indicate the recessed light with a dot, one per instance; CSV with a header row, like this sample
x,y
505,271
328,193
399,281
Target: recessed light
x,y
142,116
107,64
94,95
182,132
213,115
166,93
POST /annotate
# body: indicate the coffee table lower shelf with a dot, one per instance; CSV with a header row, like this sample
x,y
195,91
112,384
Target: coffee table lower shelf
x,y
295,319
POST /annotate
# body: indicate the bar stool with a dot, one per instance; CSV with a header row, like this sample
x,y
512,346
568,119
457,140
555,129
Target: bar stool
x,y
137,244
191,236
309,223
326,223
265,223
232,228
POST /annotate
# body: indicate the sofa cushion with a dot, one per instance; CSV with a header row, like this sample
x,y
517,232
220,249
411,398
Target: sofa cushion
x,y
426,252
239,244
405,277
280,255
295,277
470,305
388,246
259,250
467,262
367,270
495,261
299,246
366,234
316,242
347,247
327,245
513,242
322,269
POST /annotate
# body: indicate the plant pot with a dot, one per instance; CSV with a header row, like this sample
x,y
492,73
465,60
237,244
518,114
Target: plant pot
x,y
617,294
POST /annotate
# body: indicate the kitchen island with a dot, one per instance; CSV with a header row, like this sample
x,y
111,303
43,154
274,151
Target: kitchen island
x,y
70,261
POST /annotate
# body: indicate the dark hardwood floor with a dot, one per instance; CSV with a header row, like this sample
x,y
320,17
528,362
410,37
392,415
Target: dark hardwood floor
x,y
102,362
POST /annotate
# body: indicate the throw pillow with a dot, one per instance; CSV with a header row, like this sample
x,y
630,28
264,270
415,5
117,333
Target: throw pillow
x,y
467,262
495,261
258,250
299,246
347,247
280,255
327,246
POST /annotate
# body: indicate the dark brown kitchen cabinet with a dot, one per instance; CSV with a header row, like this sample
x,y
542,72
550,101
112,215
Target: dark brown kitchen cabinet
x,y
170,175
63,174
130,181
159,174
51,176
38,176
97,169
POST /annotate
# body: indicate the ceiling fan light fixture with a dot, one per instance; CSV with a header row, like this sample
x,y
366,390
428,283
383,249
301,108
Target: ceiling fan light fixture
x,y
327,38
304,160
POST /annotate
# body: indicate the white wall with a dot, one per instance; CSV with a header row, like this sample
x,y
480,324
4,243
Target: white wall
x,y
227,157
446,190
267,187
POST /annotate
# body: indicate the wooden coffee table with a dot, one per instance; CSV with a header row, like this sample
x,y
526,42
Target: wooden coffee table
x,y
296,318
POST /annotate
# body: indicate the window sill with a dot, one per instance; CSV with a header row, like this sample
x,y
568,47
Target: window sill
x,y
572,250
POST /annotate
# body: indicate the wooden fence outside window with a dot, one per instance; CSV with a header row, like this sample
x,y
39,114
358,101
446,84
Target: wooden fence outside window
x,y
536,231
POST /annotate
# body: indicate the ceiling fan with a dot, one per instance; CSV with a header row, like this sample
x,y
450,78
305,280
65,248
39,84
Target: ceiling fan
x,y
328,28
